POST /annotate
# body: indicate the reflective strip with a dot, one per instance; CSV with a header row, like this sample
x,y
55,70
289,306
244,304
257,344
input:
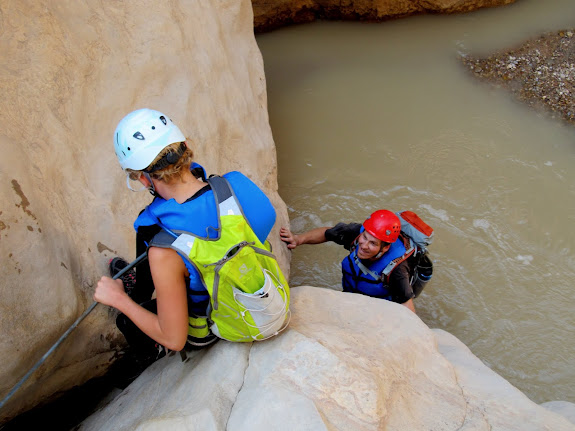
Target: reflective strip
x,y
198,327
184,243
366,270
229,207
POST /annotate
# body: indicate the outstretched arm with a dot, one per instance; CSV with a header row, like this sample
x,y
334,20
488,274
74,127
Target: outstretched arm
x,y
314,236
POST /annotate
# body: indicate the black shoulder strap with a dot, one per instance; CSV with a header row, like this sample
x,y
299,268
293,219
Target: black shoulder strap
x,y
162,240
220,187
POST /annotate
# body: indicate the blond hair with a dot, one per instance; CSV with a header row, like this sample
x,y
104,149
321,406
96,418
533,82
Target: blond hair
x,y
170,173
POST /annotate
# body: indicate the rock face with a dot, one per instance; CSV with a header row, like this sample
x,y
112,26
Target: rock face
x,y
270,14
69,73
346,362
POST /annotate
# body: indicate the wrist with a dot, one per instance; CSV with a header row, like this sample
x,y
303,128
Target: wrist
x,y
123,301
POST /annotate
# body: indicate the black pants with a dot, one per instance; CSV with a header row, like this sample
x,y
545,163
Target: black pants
x,y
139,342
141,294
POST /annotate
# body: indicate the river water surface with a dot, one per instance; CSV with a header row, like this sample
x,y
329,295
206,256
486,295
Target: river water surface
x,y
369,116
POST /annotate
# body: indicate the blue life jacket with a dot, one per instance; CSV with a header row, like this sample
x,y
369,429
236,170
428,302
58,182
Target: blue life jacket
x,y
200,217
372,278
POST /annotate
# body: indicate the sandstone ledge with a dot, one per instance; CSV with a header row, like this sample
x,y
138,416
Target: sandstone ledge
x,y
347,362
272,14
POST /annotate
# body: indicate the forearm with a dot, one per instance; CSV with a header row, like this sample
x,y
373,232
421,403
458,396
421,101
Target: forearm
x,y
314,236
401,287
409,304
150,323
111,292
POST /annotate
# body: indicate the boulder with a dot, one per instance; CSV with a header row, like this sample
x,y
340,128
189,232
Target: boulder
x,y
346,362
69,73
271,14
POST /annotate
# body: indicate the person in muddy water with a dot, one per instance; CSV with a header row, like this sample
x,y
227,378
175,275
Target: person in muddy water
x,y
382,262
155,156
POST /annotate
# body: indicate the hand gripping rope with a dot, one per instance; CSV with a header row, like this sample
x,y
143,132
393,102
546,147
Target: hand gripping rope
x,y
139,259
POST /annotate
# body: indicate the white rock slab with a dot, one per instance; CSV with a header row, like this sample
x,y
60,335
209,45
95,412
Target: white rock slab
x,y
175,395
347,362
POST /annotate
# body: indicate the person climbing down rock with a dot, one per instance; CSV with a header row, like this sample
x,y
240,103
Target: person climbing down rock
x,y
193,228
383,261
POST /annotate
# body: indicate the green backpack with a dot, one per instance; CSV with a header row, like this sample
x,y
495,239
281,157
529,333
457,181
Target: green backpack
x,y
249,295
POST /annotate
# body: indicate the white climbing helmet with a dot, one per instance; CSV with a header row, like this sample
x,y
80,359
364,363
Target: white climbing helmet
x,y
142,135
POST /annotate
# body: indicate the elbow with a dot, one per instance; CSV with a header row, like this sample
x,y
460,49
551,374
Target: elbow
x,y
409,305
176,346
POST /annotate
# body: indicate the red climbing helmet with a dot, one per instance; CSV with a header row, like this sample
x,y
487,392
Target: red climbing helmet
x,y
384,225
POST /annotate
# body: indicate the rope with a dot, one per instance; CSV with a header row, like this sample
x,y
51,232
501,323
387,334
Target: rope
x,y
139,259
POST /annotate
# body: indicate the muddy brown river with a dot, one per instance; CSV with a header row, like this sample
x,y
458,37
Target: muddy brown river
x,y
369,116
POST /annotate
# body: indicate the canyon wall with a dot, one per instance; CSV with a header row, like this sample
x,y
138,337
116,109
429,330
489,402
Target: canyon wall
x,y
69,72
271,14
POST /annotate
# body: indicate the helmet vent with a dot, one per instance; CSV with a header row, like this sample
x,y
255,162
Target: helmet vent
x,y
139,136
153,127
164,120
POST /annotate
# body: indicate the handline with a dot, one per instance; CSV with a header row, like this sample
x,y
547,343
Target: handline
x,y
132,264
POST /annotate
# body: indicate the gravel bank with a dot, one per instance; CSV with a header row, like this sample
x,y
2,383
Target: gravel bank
x,y
540,73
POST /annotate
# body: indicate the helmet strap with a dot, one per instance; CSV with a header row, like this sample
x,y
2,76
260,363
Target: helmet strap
x,y
169,159
151,188
129,184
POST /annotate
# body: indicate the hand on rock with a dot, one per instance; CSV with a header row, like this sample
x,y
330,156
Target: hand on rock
x,y
289,238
